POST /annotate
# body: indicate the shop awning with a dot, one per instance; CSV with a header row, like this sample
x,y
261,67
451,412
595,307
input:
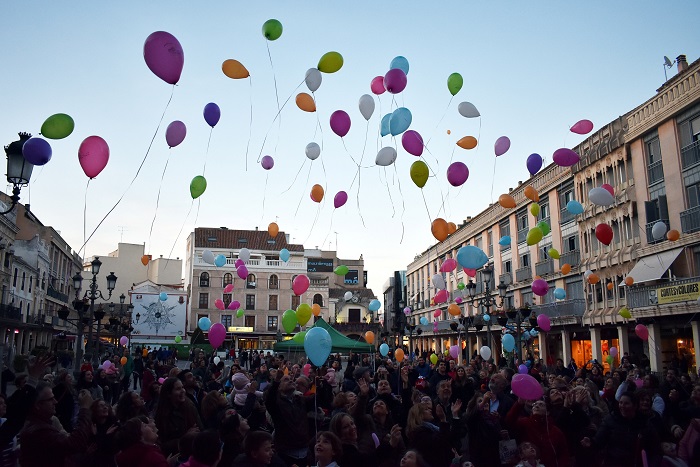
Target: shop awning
x,y
652,267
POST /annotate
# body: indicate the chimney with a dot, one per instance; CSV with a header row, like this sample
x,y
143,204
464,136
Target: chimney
x,y
286,237
256,228
682,63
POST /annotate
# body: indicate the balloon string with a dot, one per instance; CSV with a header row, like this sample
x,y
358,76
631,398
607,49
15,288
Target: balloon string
x,y
207,153
250,127
155,214
493,177
267,176
199,203
330,227
386,182
318,212
178,235
437,162
346,150
277,115
441,118
308,175
403,203
135,176
277,97
85,212
430,219
295,177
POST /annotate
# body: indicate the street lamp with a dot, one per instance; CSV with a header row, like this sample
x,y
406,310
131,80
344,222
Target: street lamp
x,y
19,170
120,320
488,299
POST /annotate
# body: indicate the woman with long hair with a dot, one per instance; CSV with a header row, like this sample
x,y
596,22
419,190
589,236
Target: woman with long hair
x,y
214,406
66,395
103,448
175,414
343,426
130,405
138,441
430,440
86,380
462,385
485,431
232,430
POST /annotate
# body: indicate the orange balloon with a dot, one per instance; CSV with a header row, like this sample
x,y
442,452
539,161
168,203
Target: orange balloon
x,y
273,229
439,229
506,201
593,278
316,309
317,193
369,337
532,194
234,69
305,102
629,280
399,355
449,132
610,286
673,235
454,310
145,259
451,228
468,142
565,268
123,360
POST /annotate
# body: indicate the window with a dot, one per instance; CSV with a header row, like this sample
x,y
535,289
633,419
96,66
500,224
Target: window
x,y
226,320
250,321
571,243
693,192
526,298
318,300
201,315
43,281
250,282
489,241
24,278
543,252
250,302
273,283
478,244
272,323
525,260
354,315
296,300
544,212
272,303
14,280
504,230
228,279
507,267
30,283
204,301
227,298
204,279
655,171
609,291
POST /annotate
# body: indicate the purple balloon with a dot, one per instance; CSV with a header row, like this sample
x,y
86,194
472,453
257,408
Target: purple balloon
x,y
534,163
340,199
340,123
522,369
540,287
267,162
457,173
502,146
242,271
565,157
412,142
37,151
164,56
544,322
234,305
238,263
212,114
175,134
395,80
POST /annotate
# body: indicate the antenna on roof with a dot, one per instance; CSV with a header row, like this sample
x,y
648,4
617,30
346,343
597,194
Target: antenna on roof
x,y
667,64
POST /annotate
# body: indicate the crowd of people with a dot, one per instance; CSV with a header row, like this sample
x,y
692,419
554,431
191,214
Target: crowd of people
x,y
138,409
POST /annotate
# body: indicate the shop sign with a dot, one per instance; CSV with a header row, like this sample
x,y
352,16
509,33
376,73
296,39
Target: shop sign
x,y
675,293
240,329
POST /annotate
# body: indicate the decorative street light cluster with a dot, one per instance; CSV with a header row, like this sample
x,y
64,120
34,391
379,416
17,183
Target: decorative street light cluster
x,y
489,299
19,170
120,320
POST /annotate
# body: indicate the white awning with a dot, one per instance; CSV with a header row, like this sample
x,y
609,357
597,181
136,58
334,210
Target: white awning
x,y
652,267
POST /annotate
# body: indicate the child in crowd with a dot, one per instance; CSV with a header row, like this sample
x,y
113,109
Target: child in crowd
x,y
528,455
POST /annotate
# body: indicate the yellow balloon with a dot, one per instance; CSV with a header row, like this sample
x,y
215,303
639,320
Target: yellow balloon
x,y
535,209
303,313
433,359
468,142
553,253
534,235
330,62
234,69
419,173
399,355
305,102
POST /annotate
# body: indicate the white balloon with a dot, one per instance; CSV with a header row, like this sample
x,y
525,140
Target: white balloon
x,y
438,281
208,257
601,197
467,109
485,352
587,273
216,360
366,106
313,150
658,230
313,79
347,296
244,254
386,156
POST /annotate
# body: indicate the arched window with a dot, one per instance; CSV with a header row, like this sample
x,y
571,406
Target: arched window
x,y
250,282
228,279
204,279
318,300
274,282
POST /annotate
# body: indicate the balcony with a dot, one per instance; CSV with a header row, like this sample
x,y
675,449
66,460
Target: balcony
x,y
690,155
572,258
506,278
318,282
354,327
522,235
10,312
523,274
655,172
565,216
53,293
545,267
674,292
690,220
650,225
562,309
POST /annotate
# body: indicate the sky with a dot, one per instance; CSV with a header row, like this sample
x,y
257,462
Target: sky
x,y
532,69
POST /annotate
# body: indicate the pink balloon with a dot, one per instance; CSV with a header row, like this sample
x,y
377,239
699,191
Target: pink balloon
x,y
565,157
457,173
526,386
340,199
161,380
217,334
412,142
175,134
540,287
470,272
242,271
300,284
228,288
454,351
340,123
124,341
448,265
238,263
642,332
437,314
613,352
234,305
501,146
267,162
458,300
582,127
395,80
377,85
608,187
441,296
544,323
93,155
219,304
164,56
435,326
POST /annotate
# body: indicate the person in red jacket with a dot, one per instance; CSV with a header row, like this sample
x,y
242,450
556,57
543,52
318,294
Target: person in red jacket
x,y
138,440
540,430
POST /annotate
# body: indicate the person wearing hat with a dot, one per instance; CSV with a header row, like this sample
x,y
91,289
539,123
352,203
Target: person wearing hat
x,y
244,394
192,389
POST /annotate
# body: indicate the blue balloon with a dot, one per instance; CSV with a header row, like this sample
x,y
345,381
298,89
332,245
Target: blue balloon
x,y
533,332
574,207
508,343
219,261
318,344
400,120
163,297
487,318
424,321
384,128
399,62
284,254
375,305
505,240
204,323
384,350
559,293
471,257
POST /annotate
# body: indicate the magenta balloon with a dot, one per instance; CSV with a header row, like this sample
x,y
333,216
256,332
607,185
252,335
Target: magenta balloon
x,y
501,146
238,263
412,142
377,85
267,162
395,80
642,332
544,323
457,173
340,123
212,114
234,305
565,157
175,134
164,56
340,199
526,386
37,151
217,334
300,284
242,271
582,127
609,188
448,265
540,287
441,296
93,155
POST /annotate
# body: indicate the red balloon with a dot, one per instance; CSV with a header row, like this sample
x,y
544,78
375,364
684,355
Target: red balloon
x,y
604,234
642,332
608,187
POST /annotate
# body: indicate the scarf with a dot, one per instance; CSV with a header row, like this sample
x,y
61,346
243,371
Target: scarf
x,y
433,428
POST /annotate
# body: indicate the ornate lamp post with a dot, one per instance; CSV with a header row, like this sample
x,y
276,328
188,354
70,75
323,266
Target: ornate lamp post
x,y
489,299
19,170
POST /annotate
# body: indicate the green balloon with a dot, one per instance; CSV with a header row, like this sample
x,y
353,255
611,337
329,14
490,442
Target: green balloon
x,y
341,270
57,126
461,286
299,337
454,83
303,313
197,186
544,227
178,339
534,235
272,29
419,173
330,62
289,321
240,313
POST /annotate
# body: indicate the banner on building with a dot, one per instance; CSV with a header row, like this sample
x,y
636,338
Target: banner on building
x,y
676,293
319,265
158,318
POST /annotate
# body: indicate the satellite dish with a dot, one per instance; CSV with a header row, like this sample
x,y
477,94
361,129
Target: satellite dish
x,y
355,298
667,62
